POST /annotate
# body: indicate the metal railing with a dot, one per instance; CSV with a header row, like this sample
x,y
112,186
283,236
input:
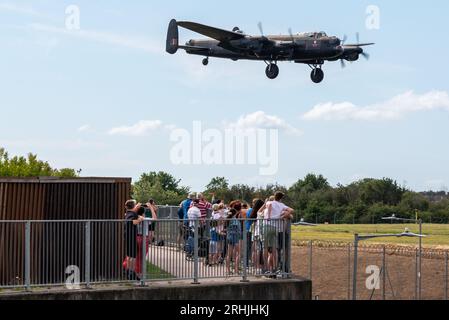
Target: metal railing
x,y
83,253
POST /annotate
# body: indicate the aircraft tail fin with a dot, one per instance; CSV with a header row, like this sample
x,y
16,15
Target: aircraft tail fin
x,y
172,37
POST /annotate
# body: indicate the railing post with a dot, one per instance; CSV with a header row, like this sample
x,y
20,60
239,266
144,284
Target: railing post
x,y
143,277
288,248
245,253
195,252
87,254
27,255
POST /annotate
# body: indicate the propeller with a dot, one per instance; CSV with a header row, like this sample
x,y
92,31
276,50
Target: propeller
x,y
363,54
358,45
259,25
343,41
291,34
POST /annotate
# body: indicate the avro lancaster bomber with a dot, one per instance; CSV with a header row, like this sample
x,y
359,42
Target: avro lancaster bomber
x,y
311,48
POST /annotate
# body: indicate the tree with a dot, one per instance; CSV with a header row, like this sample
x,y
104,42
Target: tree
x,y
219,187
160,186
30,166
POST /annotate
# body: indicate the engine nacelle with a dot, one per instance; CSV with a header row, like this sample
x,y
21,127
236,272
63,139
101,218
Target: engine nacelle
x,y
353,57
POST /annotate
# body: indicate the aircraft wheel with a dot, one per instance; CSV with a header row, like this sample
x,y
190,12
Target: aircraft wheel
x,y
205,61
317,75
272,71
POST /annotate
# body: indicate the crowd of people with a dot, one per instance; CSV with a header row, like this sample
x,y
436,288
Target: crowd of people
x,y
221,234
219,229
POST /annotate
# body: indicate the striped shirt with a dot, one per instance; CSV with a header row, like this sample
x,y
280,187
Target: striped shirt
x,y
204,206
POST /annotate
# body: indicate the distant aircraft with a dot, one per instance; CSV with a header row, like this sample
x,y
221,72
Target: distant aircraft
x,y
311,48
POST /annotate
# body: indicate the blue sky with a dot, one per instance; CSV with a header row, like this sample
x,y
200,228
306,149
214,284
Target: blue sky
x,y
63,93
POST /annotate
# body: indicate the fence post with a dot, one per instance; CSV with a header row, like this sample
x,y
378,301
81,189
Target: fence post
x,y
384,273
27,255
349,271
416,275
143,253
446,278
354,276
310,259
87,254
245,253
195,252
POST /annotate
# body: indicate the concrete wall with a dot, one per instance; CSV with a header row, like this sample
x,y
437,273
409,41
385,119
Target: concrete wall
x,y
290,289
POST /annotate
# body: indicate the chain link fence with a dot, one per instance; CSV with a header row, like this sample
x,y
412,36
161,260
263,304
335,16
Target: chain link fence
x,y
384,272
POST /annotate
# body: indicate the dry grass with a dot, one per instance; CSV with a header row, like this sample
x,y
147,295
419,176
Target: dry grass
x,y
437,234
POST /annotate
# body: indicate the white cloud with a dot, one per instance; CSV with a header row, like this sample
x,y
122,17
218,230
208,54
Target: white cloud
x,y
21,9
132,42
84,128
392,109
261,120
141,128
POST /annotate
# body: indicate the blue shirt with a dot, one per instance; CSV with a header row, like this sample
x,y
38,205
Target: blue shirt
x,y
249,222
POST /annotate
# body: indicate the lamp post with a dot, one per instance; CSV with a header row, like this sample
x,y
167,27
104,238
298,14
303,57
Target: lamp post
x,y
358,238
419,222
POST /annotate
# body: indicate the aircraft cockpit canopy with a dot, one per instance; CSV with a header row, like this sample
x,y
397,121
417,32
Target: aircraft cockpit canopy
x,y
321,34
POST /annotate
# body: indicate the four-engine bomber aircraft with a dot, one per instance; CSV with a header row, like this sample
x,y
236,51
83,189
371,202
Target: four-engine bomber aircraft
x,y
313,48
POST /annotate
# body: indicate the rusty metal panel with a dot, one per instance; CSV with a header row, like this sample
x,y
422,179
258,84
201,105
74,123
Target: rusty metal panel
x,y
53,199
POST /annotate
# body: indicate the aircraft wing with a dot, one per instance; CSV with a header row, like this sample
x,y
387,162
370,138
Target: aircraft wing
x,y
211,32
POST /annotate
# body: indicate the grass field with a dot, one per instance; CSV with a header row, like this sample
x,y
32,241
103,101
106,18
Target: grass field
x,y
437,234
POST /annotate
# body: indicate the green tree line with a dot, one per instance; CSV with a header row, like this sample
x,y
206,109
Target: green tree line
x,y
30,166
312,197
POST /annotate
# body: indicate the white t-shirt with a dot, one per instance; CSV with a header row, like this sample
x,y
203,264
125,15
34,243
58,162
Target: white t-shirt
x,y
276,209
194,213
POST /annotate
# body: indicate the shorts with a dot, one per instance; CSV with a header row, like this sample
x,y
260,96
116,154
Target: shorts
x,y
152,226
233,239
270,236
281,237
131,246
213,247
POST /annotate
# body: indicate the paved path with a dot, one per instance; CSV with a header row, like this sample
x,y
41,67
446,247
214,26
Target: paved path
x,y
173,261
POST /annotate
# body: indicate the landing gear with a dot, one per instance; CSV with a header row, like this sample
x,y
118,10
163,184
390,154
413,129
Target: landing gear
x,y
272,71
205,61
317,74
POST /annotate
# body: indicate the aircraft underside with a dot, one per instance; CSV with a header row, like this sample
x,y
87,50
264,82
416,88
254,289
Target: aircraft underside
x,y
272,69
